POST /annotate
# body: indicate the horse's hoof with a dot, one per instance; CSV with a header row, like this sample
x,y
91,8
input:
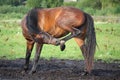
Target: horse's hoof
x,y
23,72
62,45
32,72
25,68
84,73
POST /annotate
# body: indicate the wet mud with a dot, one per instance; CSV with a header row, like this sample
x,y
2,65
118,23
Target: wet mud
x,y
59,69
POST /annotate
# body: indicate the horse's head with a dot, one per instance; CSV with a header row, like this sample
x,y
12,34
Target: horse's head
x,y
45,38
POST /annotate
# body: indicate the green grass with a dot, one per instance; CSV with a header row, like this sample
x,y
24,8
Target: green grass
x,y
13,44
108,39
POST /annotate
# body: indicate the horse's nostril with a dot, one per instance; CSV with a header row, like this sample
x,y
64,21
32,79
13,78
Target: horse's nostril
x,y
57,42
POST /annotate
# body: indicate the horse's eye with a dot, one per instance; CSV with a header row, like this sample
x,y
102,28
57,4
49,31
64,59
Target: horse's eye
x,y
42,36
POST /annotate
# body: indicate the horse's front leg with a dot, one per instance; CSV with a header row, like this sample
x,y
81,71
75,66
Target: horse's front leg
x,y
29,48
36,58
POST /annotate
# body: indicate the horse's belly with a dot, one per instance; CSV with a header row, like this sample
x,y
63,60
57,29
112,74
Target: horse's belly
x,y
58,32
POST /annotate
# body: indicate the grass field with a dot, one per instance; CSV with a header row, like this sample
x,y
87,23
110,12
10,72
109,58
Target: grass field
x,y
12,43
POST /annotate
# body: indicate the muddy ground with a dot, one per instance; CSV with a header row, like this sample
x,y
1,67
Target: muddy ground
x,y
56,69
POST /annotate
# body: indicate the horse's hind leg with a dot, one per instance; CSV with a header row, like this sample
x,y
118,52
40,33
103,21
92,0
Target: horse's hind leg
x,y
30,45
36,58
80,42
74,32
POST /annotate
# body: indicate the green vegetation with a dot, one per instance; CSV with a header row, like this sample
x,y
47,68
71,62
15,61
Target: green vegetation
x,y
12,12
16,9
12,43
108,37
97,7
11,2
44,3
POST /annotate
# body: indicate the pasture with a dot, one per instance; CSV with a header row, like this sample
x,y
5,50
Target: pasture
x,y
57,65
12,43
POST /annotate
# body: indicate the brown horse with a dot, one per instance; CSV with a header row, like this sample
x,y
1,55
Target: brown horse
x,y
51,26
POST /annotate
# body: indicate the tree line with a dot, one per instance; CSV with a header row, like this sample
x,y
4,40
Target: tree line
x,y
97,4
94,7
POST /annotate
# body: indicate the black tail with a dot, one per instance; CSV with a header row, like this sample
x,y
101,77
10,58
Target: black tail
x,y
90,43
32,21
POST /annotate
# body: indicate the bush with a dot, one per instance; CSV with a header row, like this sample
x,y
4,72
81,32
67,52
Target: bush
x,y
5,9
10,9
11,2
70,4
91,11
95,4
97,7
117,10
44,3
33,3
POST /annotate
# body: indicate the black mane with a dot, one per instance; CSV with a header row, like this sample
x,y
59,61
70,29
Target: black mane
x,y
32,21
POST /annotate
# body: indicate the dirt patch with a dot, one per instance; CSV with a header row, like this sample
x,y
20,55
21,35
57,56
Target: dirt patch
x,y
56,69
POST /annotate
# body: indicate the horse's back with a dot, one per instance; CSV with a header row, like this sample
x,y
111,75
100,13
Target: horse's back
x,y
71,17
64,16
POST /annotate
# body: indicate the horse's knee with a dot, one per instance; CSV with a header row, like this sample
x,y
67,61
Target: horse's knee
x,y
77,32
